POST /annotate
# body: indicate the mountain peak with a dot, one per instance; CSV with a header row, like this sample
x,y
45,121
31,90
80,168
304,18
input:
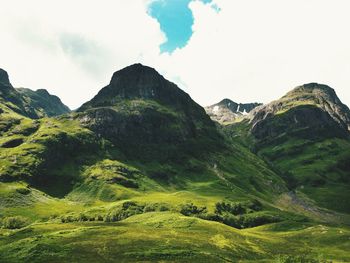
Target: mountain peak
x,y
228,111
313,88
313,107
138,82
133,71
4,77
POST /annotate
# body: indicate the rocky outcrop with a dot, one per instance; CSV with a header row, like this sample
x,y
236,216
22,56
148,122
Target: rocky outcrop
x,y
227,111
4,78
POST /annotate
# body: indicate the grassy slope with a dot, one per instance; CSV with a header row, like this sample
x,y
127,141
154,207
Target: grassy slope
x,y
235,175
317,168
169,236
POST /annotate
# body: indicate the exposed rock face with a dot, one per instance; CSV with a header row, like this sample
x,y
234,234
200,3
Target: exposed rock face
x,y
4,78
227,111
311,109
140,109
33,104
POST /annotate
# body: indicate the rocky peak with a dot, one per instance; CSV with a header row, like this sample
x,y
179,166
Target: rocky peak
x,y
310,107
4,78
140,109
228,111
139,82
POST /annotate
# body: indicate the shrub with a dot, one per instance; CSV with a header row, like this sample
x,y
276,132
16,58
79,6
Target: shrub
x,y
68,219
191,209
299,259
14,222
232,208
156,207
126,210
82,218
23,191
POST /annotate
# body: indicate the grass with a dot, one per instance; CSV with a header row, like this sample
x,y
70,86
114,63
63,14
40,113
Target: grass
x,y
66,184
168,236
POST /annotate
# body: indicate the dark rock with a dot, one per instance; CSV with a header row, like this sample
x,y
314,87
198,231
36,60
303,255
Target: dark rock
x,y
4,78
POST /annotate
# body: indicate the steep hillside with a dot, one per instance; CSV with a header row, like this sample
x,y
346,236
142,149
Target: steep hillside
x,y
227,111
140,173
32,104
305,138
45,103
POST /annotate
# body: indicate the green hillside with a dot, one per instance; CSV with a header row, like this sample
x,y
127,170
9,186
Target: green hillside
x,y
141,173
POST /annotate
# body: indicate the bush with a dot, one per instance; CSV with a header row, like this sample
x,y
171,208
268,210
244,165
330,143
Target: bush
x,y
23,191
128,209
156,207
191,209
232,208
14,222
299,259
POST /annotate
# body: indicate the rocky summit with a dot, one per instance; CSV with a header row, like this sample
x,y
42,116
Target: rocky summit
x,y
4,78
227,111
141,108
309,110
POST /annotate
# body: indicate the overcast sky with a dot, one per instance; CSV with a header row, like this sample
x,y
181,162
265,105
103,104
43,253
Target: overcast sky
x,y
245,50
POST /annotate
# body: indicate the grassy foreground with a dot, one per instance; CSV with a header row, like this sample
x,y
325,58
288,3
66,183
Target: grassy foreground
x,y
168,236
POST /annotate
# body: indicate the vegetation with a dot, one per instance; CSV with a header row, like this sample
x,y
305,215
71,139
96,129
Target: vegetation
x,y
141,179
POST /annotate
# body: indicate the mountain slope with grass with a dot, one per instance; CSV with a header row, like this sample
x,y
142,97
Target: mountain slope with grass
x,y
32,104
49,105
141,173
304,136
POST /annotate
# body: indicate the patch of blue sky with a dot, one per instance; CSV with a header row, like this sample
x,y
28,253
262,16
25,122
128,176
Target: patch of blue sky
x,y
176,20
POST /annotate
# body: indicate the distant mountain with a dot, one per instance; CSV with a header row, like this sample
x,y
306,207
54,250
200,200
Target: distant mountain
x,y
33,104
49,105
305,137
227,111
140,109
311,110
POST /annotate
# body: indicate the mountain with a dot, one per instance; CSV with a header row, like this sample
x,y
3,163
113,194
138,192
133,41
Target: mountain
x,y
227,111
305,138
32,104
49,105
140,173
141,113
309,110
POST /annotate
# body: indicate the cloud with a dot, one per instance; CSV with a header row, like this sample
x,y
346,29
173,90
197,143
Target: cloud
x,y
258,50
72,48
247,50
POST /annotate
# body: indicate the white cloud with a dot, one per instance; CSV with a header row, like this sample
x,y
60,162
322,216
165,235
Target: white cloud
x,y
72,48
255,50
251,50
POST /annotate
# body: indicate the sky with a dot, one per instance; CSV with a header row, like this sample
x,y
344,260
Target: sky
x,y
245,50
